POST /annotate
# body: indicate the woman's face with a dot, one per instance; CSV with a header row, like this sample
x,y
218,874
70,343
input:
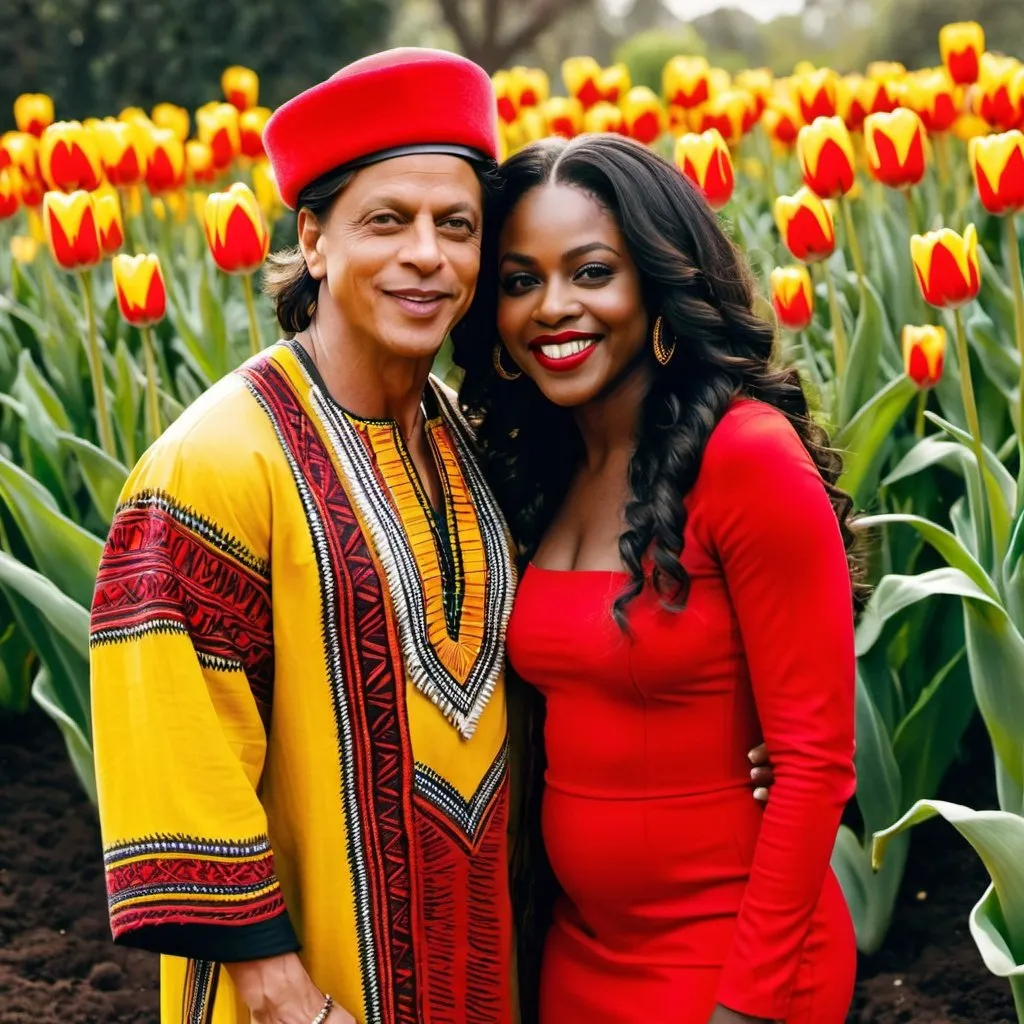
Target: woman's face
x,y
570,309
400,251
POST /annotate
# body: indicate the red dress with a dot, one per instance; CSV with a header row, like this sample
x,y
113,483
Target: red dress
x,y
681,891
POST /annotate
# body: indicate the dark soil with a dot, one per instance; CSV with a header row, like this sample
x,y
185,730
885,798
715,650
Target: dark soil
x,y
58,965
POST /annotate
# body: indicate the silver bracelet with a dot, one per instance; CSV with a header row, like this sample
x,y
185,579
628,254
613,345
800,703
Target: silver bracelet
x,y
324,1011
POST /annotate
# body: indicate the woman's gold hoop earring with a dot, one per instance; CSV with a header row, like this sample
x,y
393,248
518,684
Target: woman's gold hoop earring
x,y
499,369
662,352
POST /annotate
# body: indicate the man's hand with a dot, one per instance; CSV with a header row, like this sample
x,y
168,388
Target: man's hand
x,y
762,774
278,990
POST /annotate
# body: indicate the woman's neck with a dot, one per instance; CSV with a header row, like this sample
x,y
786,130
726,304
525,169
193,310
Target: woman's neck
x,y
610,423
362,376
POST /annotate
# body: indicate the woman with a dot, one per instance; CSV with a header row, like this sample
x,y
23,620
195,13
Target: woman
x,y
687,591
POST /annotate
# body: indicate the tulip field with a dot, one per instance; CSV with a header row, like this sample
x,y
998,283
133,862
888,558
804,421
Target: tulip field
x,y
879,212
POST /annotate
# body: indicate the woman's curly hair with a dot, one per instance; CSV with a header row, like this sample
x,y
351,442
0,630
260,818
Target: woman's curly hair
x,y
695,278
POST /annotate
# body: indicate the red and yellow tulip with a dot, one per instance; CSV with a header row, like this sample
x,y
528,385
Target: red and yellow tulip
x,y
792,296
895,148
139,284
166,167
962,44
167,115
563,116
932,95
250,125
264,186
10,193
123,148
806,226
604,117
217,124
582,78
69,157
235,230
826,157
686,81
759,83
199,160
241,87
728,112
33,113
782,121
946,265
999,91
924,354
817,93
643,115
997,162
706,161
71,229
109,219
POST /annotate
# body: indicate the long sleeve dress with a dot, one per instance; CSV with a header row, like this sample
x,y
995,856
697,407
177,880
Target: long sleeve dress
x,y
680,891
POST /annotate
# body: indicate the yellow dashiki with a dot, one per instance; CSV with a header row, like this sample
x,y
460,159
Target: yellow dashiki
x,y
298,701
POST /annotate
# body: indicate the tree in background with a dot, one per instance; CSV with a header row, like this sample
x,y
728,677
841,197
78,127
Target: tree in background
x,y
97,56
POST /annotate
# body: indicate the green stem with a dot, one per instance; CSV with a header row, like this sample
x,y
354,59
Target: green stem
x,y
942,163
104,427
1017,283
804,341
971,413
838,330
152,395
854,244
254,326
912,218
922,405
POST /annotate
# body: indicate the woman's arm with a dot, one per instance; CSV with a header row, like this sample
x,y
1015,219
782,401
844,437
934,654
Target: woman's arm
x,y
785,567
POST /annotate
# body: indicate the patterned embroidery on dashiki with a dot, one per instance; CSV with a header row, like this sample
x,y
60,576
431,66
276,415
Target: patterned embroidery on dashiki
x,y
183,880
368,702
459,676
470,817
201,977
166,570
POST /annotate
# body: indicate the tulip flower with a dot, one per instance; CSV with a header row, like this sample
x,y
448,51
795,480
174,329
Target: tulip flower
x,y
706,161
122,147
932,96
582,78
33,113
686,81
615,82
199,160
946,266
962,43
530,126
758,82
999,92
167,115
251,124
792,296
238,241
531,85
604,117
564,116
502,84
142,299
642,114
69,157
817,93
826,157
72,229
997,162
969,126
24,249
217,124
895,147
10,197
806,226
728,112
268,195
135,115
886,70
109,219
924,353
241,87
166,167
782,121
73,236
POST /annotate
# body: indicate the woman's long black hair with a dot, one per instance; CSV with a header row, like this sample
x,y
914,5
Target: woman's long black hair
x,y
695,278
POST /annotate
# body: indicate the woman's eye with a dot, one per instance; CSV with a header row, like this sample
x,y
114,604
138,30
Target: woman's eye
x,y
516,283
593,272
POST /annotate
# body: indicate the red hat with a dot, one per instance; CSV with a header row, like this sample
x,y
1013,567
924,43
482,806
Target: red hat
x,y
408,100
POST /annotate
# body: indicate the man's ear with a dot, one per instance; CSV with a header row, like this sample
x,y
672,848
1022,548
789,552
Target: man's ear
x,y
310,235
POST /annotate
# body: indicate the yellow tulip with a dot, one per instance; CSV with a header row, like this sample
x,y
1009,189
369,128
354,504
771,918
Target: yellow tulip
x,y
826,157
235,230
686,81
69,157
962,43
71,229
241,87
33,113
167,115
217,124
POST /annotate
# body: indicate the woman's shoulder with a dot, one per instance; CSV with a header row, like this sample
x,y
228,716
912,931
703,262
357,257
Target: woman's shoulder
x,y
753,440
